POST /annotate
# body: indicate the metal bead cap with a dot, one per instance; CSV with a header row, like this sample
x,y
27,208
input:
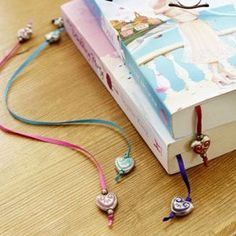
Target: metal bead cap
x,y
53,37
25,34
58,22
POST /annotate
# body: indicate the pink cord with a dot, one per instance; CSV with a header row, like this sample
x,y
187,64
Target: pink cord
x,y
10,54
72,146
110,220
24,35
64,144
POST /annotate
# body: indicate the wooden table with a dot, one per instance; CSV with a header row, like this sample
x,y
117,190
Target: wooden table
x,y
48,190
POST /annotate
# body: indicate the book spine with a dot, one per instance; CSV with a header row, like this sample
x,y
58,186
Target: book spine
x,y
107,28
113,36
154,141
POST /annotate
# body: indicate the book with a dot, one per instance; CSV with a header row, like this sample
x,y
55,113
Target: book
x,y
82,28
181,58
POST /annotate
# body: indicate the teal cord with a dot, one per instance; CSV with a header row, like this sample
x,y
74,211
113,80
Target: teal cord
x,y
14,77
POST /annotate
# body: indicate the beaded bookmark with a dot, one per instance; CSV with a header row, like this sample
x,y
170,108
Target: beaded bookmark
x,y
23,35
202,142
200,146
123,164
180,206
106,201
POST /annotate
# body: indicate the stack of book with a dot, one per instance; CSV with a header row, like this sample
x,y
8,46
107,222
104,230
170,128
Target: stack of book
x,y
159,63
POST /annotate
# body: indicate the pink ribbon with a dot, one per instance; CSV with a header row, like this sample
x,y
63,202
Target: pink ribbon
x,y
9,55
53,141
63,144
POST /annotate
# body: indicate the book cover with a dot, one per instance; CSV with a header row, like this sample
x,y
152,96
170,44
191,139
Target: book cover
x,y
181,58
81,26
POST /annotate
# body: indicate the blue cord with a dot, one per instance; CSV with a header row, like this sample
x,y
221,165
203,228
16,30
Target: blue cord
x,y
14,77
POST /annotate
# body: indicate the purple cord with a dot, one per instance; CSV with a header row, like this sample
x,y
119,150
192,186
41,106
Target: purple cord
x,y
186,181
184,176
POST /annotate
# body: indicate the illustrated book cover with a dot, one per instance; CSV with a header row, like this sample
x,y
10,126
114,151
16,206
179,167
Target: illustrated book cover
x,y
180,57
82,28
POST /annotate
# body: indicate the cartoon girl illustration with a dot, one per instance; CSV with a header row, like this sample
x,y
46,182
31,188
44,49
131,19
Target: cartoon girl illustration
x,y
202,44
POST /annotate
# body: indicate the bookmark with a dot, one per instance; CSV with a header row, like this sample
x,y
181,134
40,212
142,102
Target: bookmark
x,y
123,164
106,201
202,142
23,35
180,206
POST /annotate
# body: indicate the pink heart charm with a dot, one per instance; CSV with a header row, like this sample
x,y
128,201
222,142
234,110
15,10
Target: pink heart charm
x,y
107,201
25,34
201,145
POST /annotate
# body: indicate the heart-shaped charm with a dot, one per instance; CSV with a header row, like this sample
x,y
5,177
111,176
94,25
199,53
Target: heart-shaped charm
x,y
201,145
124,164
107,201
53,37
181,207
25,34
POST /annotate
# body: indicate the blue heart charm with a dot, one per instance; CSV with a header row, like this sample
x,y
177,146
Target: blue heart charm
x,y
124,165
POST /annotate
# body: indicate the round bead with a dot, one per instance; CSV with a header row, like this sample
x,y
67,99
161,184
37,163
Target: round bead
x,y
25,34
104,191
110,212
58,22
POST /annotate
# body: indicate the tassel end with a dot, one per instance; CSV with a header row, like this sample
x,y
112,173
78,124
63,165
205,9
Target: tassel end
x,y
119,176
205,161
171,216
110,220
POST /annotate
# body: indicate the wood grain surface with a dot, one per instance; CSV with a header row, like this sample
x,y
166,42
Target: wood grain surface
x,y
48,190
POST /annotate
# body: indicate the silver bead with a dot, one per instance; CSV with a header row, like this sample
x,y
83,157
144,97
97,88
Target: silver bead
x,y
53,37
110,212
181,207
104,191
58,22
25,34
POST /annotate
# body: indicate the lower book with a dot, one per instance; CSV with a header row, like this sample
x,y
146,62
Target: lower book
x,y
83,29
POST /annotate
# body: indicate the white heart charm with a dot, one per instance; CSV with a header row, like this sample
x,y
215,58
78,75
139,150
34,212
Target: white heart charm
x,y
181,207
107,201
201,145
124,165
53,37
